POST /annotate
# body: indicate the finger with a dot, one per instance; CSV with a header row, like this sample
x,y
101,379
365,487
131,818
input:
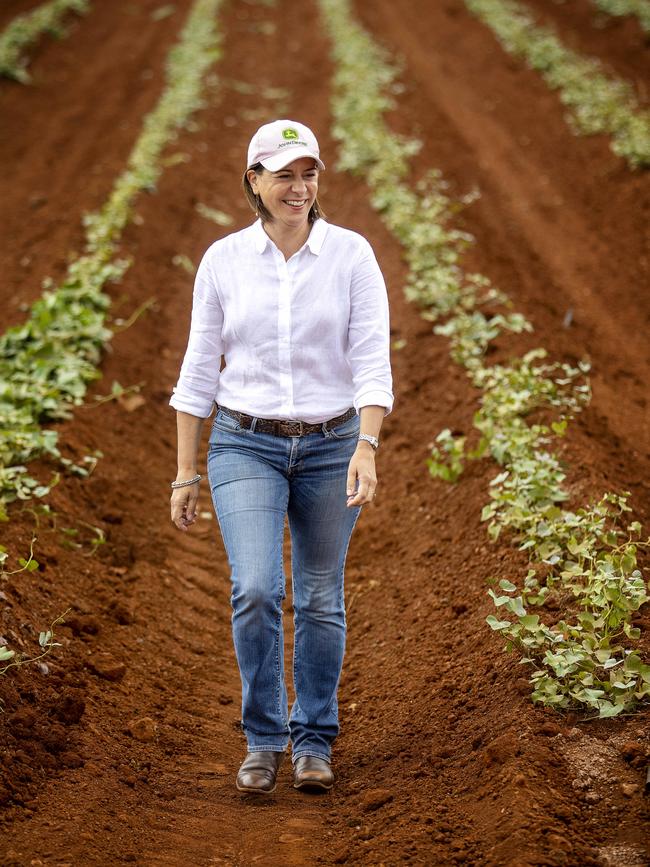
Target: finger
x,y
352,478
361,495
179,508
177,517
192,503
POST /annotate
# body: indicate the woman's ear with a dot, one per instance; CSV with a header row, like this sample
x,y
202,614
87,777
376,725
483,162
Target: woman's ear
x,y
251,174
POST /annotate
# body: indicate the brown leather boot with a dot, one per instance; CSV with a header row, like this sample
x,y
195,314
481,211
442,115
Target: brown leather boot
x,y
258,772
310,772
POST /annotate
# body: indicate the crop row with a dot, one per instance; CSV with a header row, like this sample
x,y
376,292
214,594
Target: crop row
x,y
25,29
619,8
584,559
47,362
597,103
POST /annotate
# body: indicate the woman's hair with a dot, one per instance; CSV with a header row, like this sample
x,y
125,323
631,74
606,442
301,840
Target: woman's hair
x,y
258,206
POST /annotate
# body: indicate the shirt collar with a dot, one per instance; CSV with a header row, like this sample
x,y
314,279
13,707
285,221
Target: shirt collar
x,y
314,241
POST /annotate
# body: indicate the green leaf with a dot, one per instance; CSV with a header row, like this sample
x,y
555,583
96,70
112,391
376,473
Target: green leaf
x,y
496,624
606,709
530,621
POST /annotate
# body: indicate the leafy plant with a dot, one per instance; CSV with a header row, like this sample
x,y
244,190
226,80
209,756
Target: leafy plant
x,y
25,29
598,103
217,216
582,558
47,363
618,8
27,564
45,640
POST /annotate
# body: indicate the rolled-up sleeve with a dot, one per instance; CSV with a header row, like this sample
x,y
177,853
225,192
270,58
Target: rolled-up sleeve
x,y
369,334
196,388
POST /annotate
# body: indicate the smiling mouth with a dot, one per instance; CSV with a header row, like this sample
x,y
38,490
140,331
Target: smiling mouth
x,y
295,203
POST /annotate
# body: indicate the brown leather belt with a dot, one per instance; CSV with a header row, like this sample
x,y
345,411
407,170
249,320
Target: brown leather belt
x,y
283,428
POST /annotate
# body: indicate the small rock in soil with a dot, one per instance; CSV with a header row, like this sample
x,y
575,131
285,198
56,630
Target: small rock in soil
x,y
375,798
143,729
630,789
107,667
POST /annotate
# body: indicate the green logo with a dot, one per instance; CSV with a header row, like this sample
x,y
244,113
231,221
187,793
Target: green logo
x,y
290,132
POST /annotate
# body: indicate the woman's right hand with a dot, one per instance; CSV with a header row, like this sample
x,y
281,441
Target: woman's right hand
x,y
183,505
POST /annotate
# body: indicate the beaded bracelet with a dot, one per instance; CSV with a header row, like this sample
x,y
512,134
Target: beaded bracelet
x,y
197,478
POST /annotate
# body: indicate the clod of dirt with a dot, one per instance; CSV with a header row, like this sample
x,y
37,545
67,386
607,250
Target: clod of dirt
x,y
107,667
522,686
55,738
502,749
82,623
22,721
70,759
143,729
558,842
630,789
70,707
119,612
374,799
633,753
550,729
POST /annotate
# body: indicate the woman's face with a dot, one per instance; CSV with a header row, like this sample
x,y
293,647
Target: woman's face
x,y
289,193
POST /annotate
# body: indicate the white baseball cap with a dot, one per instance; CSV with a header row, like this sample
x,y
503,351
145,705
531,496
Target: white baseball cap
x,y
279,143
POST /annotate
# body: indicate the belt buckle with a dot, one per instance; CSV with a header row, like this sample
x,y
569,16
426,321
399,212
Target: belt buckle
x,y
290,425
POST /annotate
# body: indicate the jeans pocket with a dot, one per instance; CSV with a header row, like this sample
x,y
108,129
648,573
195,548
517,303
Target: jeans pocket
x,y
224,422
347,429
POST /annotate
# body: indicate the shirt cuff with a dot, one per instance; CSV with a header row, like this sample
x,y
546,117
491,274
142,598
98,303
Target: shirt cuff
x,y
201,409
375,398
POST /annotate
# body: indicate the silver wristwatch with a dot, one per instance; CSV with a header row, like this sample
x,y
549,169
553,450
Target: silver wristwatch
x,y
374,442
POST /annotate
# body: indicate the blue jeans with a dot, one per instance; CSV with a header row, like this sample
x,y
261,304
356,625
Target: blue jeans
x,y
257,479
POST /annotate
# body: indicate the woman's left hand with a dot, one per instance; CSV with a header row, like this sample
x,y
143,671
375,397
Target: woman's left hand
x,y
362,468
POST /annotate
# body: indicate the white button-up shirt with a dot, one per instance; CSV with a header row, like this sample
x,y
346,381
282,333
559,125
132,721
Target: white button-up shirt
x,y
302,339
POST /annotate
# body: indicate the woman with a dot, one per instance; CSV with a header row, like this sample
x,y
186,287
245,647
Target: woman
x,y
298,309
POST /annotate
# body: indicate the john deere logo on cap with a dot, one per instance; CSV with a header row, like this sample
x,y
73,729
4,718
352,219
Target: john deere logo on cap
x,y
290,133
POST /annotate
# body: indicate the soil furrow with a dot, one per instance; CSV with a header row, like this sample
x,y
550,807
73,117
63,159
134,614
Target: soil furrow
x,y
10,9
618,42
583,240
67,135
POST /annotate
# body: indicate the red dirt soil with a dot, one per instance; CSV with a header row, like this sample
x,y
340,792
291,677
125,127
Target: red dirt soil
x,y
124,748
